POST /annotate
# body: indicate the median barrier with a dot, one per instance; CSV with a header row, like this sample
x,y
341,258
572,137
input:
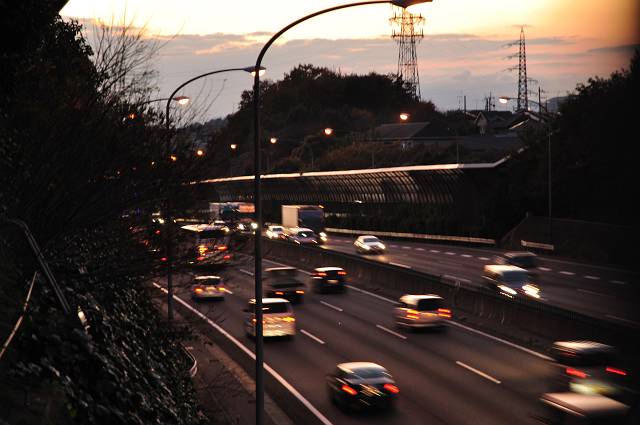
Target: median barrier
x,y
533,318
415,236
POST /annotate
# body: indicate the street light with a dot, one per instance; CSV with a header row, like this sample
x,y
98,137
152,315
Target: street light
x,y
257,194
183,100
404,116
328,131
504,100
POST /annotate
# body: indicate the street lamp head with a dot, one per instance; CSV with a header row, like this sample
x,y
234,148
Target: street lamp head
x,y
504,99
404,116
408,3
233,146
273,140
252,70
182,100
200,152
328,131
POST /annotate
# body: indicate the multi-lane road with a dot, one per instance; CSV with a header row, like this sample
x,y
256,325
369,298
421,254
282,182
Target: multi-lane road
x,y
457,377
604,292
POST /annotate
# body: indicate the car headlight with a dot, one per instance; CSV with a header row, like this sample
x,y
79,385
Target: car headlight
x,y
254,225
367,247
506,289
241,226
383,246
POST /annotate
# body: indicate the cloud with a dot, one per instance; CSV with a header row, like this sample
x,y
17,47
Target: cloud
x,y
626,48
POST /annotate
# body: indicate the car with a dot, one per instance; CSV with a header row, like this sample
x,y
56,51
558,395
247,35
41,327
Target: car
x,y
284,282
329,279
570,408
360,385
589,367
523,259
246,226
510,281
275,232
368,244
207,288
421,311
278,318
302,236
209,256
221,225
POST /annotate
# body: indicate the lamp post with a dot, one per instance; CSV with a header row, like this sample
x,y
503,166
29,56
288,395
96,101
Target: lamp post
x,y
257,193
504,100
169,218
182,100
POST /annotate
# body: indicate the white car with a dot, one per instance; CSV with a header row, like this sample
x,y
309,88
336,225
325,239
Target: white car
x,y
368,244
275,232
421,311
207,288
278,318
302,236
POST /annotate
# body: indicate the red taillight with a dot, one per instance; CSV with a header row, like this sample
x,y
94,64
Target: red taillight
x,y
163,259
227,257
391,388
222,248
575,372
157,232
279,293
342,273
444,312
200,258
321,274
616,371
300,292
198,290
347,389
413,314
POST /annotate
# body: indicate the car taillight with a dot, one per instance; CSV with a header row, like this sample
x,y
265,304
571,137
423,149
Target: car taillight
x,y
222,248
264,322
616,371
227,257
347,389
163,259
342,273
288,319
575,372
200,258
157,232
279,293
412,314
391,388
198,290
321,274
300,292
444,312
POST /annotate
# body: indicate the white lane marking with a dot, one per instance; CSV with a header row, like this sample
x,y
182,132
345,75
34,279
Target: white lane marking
x,y
406,247
567,273
227,291
331,306
479,372
586,291
391,332
545,269
618,282
400,265
622,319
250,353
450,253
465,255
312,336
393,246
419,249
435,251
246,272
483,258
371,294
592,277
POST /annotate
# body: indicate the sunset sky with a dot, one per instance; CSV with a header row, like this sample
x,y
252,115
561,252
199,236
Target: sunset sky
x,y
463,51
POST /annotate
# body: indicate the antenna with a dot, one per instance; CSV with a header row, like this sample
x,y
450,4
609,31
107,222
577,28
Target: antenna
x,y
406,35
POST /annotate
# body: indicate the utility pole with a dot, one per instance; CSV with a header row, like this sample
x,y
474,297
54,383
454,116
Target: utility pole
x,y
406,35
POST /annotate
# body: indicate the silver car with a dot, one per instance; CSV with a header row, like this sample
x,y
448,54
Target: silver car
x,y
278,318
421,311
302,236
368,244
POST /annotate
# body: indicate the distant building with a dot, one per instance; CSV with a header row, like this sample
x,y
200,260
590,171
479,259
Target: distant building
x,y
492,122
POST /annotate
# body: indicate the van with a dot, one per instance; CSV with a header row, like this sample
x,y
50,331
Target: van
x,y
510,281
278,318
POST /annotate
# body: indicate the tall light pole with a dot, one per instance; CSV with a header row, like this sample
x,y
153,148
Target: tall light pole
x,y
504,100
257,193
169,218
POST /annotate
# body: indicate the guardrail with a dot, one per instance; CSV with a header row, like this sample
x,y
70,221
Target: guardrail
x,y
535,319
419,236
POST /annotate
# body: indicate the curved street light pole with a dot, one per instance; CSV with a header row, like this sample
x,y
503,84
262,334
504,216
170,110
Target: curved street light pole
x,y
169,218
257,192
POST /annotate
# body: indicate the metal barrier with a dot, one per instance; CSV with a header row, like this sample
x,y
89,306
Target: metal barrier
x,y
418,236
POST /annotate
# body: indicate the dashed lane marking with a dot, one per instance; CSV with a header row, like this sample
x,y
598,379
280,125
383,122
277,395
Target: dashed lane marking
x,y
592,277
312,336
406,247
564,272
478,372
618,282
419,249
246,272
336,308
450,253
391,332
435,251
595,293
483,258
544,269
465,255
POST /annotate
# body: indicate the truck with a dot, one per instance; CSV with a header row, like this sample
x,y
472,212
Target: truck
x,y
305,216
232,212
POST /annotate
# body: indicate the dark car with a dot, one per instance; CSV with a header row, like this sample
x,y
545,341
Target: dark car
x,y
283,282
361,385
589,367
329,279
523,259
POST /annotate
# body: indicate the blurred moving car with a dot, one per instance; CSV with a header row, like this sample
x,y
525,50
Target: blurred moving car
x,y
278,318
329,279
207,288
510,281
523,259
421,311
221,225
275,232
302,236
368,244
283,282
581,409
361,385
589,367
246,226
211,256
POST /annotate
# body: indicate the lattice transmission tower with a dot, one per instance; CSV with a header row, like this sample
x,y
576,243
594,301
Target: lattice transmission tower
x,y
407,31
523,91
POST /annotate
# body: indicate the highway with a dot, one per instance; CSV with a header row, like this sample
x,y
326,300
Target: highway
x,y
455,377
602,292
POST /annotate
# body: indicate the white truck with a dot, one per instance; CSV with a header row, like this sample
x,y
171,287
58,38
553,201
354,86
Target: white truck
x,y
305,216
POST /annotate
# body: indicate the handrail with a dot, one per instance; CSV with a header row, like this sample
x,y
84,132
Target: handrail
x,y
20,319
